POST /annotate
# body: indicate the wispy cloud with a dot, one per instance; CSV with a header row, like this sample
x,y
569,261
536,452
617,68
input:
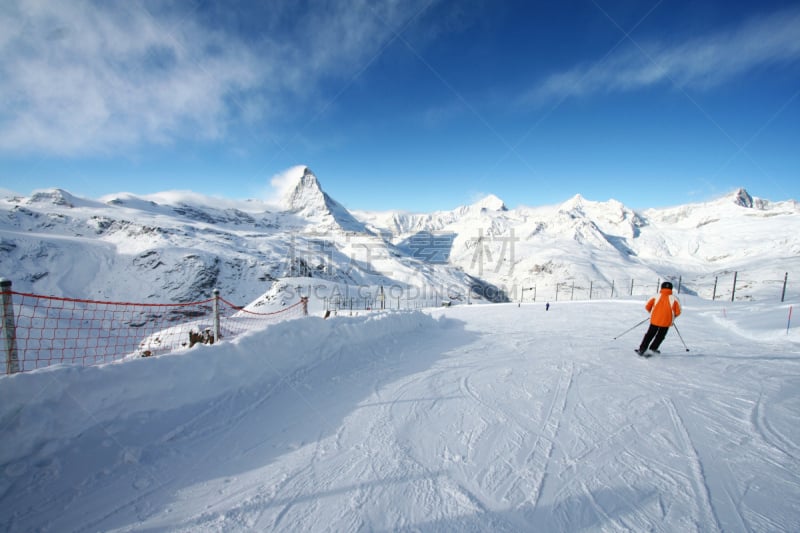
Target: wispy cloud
x,y
283,183
702,63
96,77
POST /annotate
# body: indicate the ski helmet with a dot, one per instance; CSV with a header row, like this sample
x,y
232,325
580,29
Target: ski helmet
x,y
666,285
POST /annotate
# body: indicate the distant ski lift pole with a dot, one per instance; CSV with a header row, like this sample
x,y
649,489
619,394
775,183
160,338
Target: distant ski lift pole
x,y
783,292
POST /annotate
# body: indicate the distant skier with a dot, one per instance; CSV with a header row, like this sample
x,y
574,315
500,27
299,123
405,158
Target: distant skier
x,y
547,306
663,309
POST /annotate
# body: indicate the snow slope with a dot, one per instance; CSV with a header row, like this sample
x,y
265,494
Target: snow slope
x,y
470,418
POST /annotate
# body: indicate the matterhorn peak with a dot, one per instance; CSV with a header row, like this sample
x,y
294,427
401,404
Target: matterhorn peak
x,y
491,203
304,196
302,190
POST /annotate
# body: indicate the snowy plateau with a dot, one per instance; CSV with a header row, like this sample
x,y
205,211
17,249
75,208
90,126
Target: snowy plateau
x,y
491,413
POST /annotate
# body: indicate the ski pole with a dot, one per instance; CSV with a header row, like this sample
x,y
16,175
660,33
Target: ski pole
x,y
680,336
631,329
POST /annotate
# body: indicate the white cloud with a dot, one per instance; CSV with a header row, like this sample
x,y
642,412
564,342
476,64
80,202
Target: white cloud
x,y
177,197
96,77
283,183
90,79
702,63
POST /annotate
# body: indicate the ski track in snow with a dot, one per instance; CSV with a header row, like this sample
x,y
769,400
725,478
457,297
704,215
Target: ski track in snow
x,y
708,517
770,435
498,418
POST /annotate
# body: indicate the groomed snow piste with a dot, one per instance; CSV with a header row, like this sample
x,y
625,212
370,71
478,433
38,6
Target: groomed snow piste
x,y
469,418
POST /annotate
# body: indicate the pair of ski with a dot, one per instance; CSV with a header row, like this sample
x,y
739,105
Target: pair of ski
x,y
646,353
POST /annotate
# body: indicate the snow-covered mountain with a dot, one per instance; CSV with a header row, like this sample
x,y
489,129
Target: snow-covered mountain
x,y
307,200
589,243
178,247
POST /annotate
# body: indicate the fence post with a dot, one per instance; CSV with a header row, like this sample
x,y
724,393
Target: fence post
x,y
714,294
9,328
631,286
304,299
612,287
590,288
783,292
733,291
216,316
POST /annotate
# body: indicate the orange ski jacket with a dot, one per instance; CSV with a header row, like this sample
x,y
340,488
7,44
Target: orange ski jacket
x,y
663,308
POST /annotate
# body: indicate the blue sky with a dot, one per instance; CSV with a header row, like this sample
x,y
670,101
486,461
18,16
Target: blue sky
x,y
416,105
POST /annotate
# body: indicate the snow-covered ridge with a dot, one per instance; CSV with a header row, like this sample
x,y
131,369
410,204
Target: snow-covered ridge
x,y
595,241
177,245
491,203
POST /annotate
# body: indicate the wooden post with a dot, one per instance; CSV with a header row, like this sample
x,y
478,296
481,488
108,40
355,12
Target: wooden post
x,y
217,335
9,328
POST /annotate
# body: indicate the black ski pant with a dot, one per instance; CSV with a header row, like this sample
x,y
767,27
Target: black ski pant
x,y
653,337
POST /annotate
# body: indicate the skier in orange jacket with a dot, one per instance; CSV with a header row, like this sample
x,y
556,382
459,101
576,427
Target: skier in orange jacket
x,y
663,309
